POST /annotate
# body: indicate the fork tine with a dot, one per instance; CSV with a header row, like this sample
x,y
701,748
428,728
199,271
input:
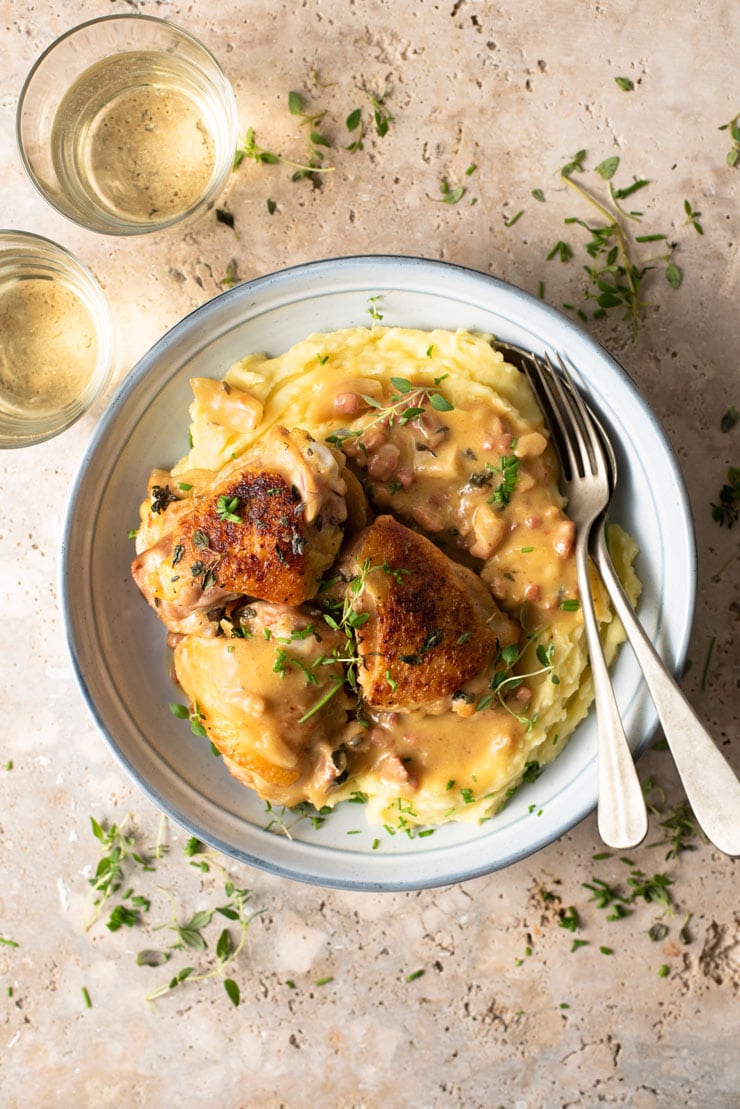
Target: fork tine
x,y
568,398
589,425
539,380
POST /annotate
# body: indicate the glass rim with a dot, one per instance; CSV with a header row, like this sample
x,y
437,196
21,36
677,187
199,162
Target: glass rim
x,y
118,17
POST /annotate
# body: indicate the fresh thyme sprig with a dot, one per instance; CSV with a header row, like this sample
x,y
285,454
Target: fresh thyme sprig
x,y
251,150
504,680
316,141
405,405
615,279
450,194
190,935
733,154
382,118
726,510
121,857
355,123
343,617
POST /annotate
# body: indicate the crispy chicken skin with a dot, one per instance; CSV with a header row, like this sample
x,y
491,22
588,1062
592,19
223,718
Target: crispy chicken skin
x,y
252,693
266,526
432,624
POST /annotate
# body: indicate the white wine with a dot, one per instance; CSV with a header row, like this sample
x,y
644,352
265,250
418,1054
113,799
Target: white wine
x,y
48,346
137,138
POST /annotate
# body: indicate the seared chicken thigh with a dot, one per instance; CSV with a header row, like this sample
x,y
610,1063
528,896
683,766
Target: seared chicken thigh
x,y
431,624
259,691
267,526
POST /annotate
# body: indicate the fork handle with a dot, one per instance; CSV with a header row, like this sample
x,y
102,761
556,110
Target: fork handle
x,y
710,783
622,815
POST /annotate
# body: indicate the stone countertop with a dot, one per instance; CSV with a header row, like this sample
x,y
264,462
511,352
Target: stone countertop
x,y
506,1012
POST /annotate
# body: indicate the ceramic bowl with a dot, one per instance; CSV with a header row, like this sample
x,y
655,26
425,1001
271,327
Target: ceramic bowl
x,y
118,646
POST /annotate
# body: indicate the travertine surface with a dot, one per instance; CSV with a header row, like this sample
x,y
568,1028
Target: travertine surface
x,y
505,1013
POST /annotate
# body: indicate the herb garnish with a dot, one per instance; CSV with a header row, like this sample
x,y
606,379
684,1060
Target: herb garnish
x,y
509,470
162,496
226,509
196,717
250,149
692,217
405,405
120,855
190,935
505,681
432,640
614,278
727,508
733,154
451,194
372,306
225,217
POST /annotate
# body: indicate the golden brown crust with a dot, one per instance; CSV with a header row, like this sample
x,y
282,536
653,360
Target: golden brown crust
x,y
432,623
260,554
266,526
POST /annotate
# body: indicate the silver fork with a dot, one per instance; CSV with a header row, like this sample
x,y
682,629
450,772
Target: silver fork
x,y
710,782
585,480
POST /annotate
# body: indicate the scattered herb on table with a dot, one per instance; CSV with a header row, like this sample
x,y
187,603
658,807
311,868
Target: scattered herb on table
x,y
707,661
190,935
726,509
225,217
692,217
733,154
729,419
450,194
249,149
316,141
569,919
608,167
626,84
354,123
615,279
561,250
231,277
382,118
122,856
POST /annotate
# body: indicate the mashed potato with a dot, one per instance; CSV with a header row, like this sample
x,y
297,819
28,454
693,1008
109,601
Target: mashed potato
x,y
435,431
